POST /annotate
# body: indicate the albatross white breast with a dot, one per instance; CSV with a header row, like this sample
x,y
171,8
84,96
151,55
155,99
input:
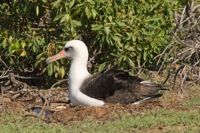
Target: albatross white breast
x,y
110,85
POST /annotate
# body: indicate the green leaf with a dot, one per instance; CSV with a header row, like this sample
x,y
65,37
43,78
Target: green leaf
x,y
139,48
107,30
145,55
119,42
30,44
39,55
62,72
4,43
133,37
110,18
38,41
71,4
77,23
56,75
121,24
37,10
57,3
129,36
130,48
17,46
131,62
58,17
65,18
23,44
36,64
153,19
34,48
87,11
102,66
96,27
55,68
10,39
10,49
50,69
124,58
29,27
94,13
120,60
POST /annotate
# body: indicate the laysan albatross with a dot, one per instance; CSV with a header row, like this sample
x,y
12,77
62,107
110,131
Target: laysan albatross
x,y
107,86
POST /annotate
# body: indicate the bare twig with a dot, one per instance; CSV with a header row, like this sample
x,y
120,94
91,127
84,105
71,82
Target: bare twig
x,y
3,76
55,85
58,82
2,99
176,74
196,47
4,63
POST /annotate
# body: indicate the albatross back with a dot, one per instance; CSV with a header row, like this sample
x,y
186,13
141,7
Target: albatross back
x,y
117,86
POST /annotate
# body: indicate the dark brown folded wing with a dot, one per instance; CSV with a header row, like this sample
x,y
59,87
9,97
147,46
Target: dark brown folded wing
x,y
116,86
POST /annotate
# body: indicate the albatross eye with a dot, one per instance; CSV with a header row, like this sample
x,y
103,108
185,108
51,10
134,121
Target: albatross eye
x,y
67,49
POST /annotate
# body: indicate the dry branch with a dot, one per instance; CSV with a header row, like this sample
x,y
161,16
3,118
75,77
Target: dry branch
x,y
184,46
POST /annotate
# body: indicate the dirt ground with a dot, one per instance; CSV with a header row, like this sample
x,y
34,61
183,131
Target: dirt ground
x,y
53,106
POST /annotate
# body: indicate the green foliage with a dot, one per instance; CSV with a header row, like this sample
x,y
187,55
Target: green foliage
x,y
134,32
126,32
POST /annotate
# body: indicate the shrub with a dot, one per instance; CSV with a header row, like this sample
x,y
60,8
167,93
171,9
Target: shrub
x,y
129,33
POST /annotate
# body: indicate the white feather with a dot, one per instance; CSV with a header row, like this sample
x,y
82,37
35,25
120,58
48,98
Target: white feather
x,y
78,73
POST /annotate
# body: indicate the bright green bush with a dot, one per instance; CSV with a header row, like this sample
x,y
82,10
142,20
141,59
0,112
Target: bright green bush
x,y
127,32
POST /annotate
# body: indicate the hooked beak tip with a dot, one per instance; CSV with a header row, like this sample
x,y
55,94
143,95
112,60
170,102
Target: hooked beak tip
x,y
48,61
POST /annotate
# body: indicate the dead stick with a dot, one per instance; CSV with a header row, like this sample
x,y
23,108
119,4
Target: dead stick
x,y
176,74
2,98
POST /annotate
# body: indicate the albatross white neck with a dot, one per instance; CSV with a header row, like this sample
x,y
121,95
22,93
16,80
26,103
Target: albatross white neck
x,y
77,74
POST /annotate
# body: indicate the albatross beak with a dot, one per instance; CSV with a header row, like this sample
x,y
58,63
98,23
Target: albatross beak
x,y
58,56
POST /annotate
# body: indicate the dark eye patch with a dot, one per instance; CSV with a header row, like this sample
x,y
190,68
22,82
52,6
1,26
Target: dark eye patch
x,y
67,49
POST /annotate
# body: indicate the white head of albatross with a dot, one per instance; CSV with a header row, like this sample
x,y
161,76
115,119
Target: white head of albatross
x,y
77,52
110,85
